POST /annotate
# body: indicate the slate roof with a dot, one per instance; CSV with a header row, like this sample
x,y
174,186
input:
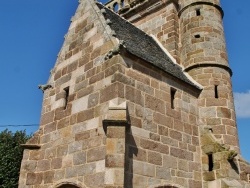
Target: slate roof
x,y
143,46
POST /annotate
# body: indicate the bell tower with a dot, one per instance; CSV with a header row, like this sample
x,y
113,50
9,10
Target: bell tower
x,y
203,54
204,57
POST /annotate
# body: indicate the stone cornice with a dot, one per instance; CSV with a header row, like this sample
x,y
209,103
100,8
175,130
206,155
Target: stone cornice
x,y
229,70
145,8
202,3
138,8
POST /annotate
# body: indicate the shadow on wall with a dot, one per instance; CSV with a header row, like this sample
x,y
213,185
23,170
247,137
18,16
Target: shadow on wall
x,y
68,186
130,151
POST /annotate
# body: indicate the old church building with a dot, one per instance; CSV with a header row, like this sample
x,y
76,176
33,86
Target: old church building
x,y
140,97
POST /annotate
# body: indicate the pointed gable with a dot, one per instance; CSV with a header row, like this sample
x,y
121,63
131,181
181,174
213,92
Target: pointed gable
x,y
85,41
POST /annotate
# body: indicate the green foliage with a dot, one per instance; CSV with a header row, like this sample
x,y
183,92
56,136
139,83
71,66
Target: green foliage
x,y
10,157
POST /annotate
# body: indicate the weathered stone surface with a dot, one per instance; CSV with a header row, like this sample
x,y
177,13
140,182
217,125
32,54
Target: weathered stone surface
x,y
79,158
155,158
49,128
154,104
112,91
163,120
170,162
48,177
82,136
134,95
93,100
182,154
116,131
47,118
62,150
163,173
30,166
154,146
34,178
43,165
83,170
85,115
56,163
75,146
137,154
94,180
71,172
116,160
143,168
96,154
108,120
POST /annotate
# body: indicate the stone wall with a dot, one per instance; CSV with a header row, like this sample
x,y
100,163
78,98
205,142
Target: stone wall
x,y
73,146
71,138
161,20
117,121
164,25
163,146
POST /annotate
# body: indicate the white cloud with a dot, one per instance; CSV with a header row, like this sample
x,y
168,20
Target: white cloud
x,y
242,104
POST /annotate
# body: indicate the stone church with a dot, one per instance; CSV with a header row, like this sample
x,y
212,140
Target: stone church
x,y
140,97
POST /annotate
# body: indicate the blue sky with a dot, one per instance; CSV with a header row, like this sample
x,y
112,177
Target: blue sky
x,y
31,35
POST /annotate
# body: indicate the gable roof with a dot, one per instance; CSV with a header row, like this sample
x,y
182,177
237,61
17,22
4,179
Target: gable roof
x,y
140,44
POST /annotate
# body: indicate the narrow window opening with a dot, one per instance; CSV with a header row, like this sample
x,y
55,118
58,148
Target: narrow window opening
x,y
198,12
216,95
172,94
122,3
116,7
210,162
66,97
197,36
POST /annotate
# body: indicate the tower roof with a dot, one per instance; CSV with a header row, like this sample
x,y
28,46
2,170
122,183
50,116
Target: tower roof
x,y
143,46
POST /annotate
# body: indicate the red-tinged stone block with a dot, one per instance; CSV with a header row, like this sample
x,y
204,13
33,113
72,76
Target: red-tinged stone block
x,y
85,115
182,154
34,178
